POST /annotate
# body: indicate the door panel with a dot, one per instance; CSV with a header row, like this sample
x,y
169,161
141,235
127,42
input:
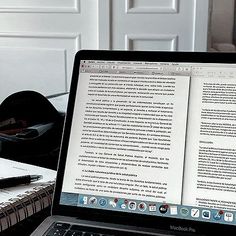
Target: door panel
x,y
149,42
39,6
152,6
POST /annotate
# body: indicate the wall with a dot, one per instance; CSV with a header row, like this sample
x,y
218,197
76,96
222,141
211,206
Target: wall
x,y
222,21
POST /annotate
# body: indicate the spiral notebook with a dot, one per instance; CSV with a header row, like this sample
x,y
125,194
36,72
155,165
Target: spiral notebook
x,y
18,203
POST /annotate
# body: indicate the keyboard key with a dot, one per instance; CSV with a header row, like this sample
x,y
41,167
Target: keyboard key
x,y
91,234
60,225
78,228
56,232
73,233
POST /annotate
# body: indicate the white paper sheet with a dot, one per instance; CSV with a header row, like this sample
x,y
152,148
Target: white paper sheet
x,y
9,168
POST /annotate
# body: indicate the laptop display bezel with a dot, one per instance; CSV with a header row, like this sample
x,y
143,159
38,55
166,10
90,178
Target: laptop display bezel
x,y
154,222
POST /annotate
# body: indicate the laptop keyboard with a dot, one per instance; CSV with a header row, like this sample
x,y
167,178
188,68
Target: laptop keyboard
x,y
64,229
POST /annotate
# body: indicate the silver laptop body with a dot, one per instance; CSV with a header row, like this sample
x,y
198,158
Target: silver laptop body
x,y
147,146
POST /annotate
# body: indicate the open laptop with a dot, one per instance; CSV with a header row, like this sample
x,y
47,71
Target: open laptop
x,y
148,146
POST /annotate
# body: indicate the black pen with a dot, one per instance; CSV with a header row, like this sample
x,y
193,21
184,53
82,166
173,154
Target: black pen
x,y
15,181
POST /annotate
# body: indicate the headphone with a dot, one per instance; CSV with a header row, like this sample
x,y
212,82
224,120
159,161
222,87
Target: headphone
x,y
30,129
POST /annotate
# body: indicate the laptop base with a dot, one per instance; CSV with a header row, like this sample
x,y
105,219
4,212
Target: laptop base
x,y
97,228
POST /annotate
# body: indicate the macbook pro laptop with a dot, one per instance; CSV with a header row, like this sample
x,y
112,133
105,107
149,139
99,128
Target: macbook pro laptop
x,y
148,146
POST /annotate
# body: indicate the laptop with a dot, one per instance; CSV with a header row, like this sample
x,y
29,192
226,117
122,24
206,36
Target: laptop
x,y
148,146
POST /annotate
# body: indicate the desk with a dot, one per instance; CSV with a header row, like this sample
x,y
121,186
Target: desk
x,y
27,226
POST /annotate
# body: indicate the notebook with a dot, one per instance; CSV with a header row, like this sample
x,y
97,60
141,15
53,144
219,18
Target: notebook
x,y
148,146
20,202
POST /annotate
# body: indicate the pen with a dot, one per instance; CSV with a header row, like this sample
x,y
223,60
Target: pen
x,y
14,181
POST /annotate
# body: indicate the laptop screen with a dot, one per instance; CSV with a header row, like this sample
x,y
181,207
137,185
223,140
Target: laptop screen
x,y
154,138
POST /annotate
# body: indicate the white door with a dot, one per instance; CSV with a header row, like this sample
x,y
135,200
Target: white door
x,y
172,25
38,40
